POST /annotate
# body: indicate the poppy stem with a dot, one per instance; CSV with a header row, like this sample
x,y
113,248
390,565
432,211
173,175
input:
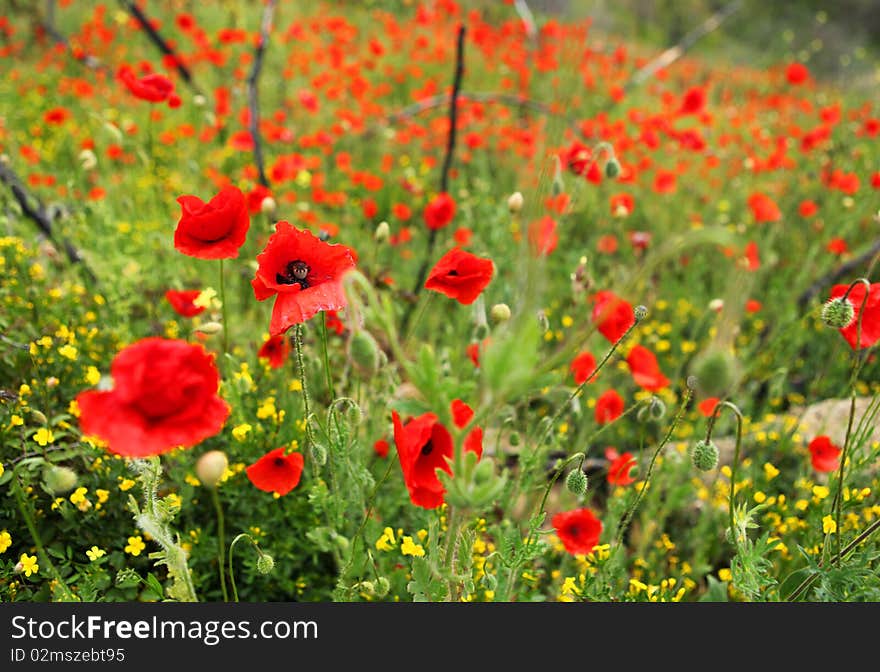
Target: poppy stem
x,y
630,512
221,543
224,310
231,572
298,347
326,356
739,425
854,376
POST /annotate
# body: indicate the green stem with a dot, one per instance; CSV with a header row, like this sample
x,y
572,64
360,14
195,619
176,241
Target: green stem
x,y
221,542
298,348
326,356
627,516
224,309
231,571
736,452
452,522
854,376
38,542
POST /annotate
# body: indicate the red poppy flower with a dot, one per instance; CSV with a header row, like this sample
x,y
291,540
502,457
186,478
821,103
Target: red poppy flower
x,y
381,448
694,101
164,396
276,472
212,230
182,302
578,158
837,246
542,236
275,349
622,204
620,469
824,455
582,367
870,333
808,208
303,273
613,315
764,208
440,211
578,530
645,370
423,446
797,73
154,87
707,406
460,275
609,407
461,416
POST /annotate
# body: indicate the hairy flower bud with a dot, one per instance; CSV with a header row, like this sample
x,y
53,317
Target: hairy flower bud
x,y
499,313
515,202
704,455
838,313
59,480
265,563
716,372
382,233
363,352
640,312
612,168
576,482
268,206
210,468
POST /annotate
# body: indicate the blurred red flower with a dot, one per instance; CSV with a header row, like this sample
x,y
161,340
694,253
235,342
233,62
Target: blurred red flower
x,y
578,530
613,315
609,407
182,302
440,211
276,472
164,396
303,273
275,349
620,468
212,230
870,329
645,370
583,366
824,455
460,275
764,208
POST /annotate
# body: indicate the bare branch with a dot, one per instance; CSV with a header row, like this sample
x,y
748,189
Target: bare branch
x,y
253,89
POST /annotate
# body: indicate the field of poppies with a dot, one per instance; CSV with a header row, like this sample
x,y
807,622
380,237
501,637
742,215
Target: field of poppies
x,y
429,301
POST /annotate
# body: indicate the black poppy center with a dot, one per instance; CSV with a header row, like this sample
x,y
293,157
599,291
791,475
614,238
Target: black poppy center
x,y
278,462
295,273
573,530
453,273
427,448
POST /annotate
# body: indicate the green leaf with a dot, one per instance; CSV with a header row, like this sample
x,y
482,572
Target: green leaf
x,y
154,585
793,580
717,591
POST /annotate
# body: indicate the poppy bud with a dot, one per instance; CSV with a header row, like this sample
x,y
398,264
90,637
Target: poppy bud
x,y
319,453
652,412
515,202
383,585
500,313
640,312
363,352
59,480
612,168
382,233
715,372
199,100
704,455
87,159
211,467
268,206
576,482
838,313
39,416
513,438
265,563
210,328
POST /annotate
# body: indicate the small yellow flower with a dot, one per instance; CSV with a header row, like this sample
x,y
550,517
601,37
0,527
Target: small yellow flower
x,y
68,351
44,436
93,376
94,553
409,547
28,564
2,469
770,471
240,432
386,541
126,484
821,491
78,496
725,574
295,386
5,540
828,525
102,495
135,545
16,421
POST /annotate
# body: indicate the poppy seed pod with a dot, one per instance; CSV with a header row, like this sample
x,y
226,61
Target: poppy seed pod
x,y
704,455
576,482
59,480
210,468
838,313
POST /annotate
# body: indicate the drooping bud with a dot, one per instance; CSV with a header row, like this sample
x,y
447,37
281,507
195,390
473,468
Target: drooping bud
x,y
576,482
612,168
268,206
210,328
704,455
265,563
59,480
838,313
500,313
382,233
640,312
515,202
210,468
716,372
363,352
319,453
652,412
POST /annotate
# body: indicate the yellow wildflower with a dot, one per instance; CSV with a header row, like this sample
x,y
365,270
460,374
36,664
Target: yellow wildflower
x,y
135,545
94,553
409,547
44,436
5,540
28,564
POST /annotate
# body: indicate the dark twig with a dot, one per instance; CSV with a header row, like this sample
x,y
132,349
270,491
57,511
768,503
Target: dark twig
x,y
34,209
144,22
447,165
844,270
253,90
48,25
